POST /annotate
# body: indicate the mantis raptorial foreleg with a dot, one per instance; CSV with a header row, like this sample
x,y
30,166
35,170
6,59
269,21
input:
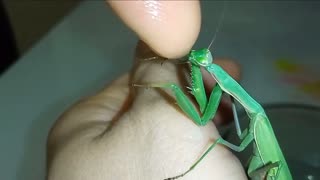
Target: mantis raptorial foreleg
x,y
197,87
186,105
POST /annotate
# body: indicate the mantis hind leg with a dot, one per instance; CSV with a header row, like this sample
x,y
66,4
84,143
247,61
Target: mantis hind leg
x,y
269,171
274,176
247,140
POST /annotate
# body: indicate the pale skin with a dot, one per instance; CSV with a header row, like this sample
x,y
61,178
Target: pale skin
x,y
151,139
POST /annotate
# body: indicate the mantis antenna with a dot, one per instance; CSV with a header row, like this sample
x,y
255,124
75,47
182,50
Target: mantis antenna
x,y
219,24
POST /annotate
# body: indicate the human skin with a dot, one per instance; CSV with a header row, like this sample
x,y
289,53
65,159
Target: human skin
x,y
170,28
137,133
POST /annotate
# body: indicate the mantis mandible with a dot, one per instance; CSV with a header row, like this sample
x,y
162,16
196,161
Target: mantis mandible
x,y
267,161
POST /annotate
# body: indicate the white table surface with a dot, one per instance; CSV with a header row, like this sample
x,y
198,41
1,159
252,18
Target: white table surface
x,y
90,47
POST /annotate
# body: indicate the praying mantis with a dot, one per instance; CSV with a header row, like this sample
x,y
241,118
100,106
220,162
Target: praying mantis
x,y
267,161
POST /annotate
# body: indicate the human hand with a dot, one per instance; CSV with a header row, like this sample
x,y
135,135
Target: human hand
x,y
136,133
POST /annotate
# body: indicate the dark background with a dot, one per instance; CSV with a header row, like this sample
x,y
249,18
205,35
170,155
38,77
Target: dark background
x,y
9,52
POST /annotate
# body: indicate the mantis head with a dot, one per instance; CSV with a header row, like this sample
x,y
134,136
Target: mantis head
x,y
200,57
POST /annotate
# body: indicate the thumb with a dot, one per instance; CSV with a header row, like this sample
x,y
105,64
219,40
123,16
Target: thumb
x,y
170,28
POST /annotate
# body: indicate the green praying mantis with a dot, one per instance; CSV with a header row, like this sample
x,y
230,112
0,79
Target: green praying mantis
x,y
267,161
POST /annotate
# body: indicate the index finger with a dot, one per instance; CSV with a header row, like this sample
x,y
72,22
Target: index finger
x,y
170,28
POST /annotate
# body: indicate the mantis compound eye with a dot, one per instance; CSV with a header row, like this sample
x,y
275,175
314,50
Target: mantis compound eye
x,y
209,57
